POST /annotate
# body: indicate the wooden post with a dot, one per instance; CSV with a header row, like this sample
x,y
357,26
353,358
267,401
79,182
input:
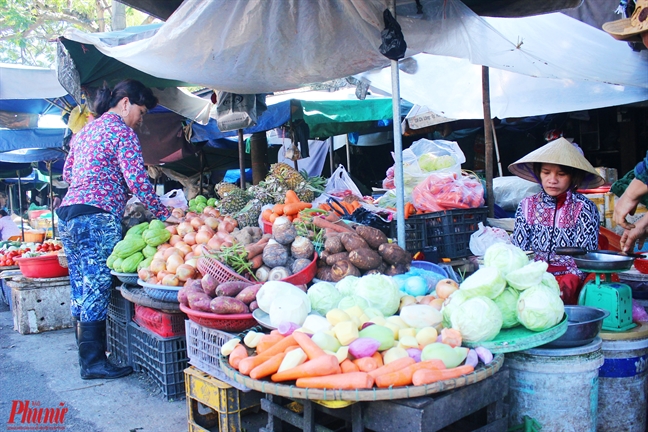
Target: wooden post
x,y
259,156
488,141
241,149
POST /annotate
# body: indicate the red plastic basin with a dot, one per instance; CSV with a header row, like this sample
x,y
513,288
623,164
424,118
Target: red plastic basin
x,y
641,264
45,266
305,275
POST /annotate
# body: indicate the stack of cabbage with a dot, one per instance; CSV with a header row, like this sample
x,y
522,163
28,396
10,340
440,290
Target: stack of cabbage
x,y
508,291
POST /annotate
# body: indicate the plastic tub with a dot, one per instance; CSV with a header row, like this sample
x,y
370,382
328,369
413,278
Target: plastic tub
x,y
304,276
230,323
45,266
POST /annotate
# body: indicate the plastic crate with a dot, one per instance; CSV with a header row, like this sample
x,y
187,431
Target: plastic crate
x,y
449,231
120,309
118,342
203,349
162,323
162,359
213,405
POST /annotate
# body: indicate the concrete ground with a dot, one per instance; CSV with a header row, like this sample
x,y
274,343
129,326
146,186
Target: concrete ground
x,y
42,370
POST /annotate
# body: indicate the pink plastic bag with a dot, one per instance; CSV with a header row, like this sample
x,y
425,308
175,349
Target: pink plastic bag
x,y
447,191
638,312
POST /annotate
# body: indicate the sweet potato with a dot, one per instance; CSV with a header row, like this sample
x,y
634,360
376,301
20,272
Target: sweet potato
x,y
332,259
352,241
191,285
365,258
373,236
394,254
253,306
227,305
343,268
231,288
333,244
248,294
199,301
209,284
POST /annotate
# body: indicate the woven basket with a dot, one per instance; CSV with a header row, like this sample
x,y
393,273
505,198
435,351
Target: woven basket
x,y
219,271
62,259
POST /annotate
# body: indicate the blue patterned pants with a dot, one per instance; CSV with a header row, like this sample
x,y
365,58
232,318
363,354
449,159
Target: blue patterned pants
x,y
88,241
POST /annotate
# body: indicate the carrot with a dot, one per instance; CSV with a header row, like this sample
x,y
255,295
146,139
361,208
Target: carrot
x,y
278,209
343,381
256,262
254,249
275,332
311,349
292,347
266,214
249,363
427,376
280,346
323,223
348,366
291,197
324,206
294,208
403,377
366,364
332,216
273,216
238,354
268,367
324,365
266,342
392,367
378,359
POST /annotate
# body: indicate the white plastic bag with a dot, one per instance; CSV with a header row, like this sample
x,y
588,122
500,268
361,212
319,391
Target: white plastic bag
x,y
510,190
175,199
485,237
235,111
339,185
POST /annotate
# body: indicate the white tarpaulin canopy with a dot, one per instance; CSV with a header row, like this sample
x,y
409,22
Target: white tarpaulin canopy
x,y
256,46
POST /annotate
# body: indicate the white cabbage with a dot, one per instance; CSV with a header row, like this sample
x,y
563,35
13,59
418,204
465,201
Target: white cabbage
x,y
323,297
478,319
450,305
506,257
540,308
527,276
507,304
487,281
346,286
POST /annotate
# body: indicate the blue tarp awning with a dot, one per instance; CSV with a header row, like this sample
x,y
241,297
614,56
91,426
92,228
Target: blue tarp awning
x,y
31,138
32,155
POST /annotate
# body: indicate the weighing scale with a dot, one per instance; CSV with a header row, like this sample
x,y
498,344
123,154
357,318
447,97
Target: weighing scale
x,y
614,297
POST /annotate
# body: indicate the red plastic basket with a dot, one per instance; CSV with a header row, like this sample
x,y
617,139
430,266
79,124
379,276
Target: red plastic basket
x,y
45,266
162,323
267,227
305,275
229,323
219,271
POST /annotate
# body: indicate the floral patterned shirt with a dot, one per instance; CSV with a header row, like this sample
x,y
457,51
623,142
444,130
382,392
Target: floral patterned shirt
x,y
541,228
105,167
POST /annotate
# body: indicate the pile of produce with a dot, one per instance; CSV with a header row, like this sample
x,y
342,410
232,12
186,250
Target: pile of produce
x,y
207,295
10,251
138,247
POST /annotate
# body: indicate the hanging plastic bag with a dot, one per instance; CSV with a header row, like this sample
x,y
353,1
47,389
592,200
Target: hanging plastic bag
x,y
485,237
447,191
341,185
236,111
175,199
393,44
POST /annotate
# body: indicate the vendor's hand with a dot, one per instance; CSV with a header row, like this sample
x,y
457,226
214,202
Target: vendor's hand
x,y
173,220
634,235
627,204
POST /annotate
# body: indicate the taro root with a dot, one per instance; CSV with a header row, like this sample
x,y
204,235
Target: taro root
x,y
365,258
342,269
300,264
396,269
332,259
283,230
394,254
373,236
333,245
302,248
274,254
324,273
352,241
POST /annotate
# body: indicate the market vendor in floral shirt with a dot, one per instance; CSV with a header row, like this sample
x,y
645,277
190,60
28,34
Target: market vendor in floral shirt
x,y
558,216
104,168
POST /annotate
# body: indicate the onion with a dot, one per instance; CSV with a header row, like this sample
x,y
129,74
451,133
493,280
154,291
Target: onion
x,y
196,223
190,215
185,272
178,212
159,255
200,249
183,247
157,266
185,228
171,280
437,303
193,262
163,247
173,229
212,222
175,238
189,256
161,275
203,237
214,243
173,262
190,238
206,229
145,274
445,287
170,251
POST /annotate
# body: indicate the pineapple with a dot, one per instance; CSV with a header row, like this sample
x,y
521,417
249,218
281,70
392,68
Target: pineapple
x,y
305,194
234,201
249,214
222,188
285,173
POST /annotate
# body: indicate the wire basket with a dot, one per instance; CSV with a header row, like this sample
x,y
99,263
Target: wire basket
x,y
160,292
62,259
219,271
229,323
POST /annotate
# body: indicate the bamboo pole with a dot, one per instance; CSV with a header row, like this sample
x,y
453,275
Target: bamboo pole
x,y
488,141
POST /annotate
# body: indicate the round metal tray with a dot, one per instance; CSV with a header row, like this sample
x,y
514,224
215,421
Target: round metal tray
x,y
601,261
583,325
263,319
127,278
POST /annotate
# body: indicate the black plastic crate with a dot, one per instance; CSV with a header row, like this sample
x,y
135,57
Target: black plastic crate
x,y
449,231
118,342
120,309
162,359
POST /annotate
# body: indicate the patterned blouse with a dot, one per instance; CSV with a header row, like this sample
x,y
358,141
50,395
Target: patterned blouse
x,y
105,167
540,228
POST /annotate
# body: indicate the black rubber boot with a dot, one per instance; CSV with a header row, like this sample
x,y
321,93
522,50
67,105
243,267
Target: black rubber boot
x,y
92,353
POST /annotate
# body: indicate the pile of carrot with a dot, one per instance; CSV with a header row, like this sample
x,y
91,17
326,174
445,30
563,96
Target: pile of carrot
x,y
322,370
290,208
339,207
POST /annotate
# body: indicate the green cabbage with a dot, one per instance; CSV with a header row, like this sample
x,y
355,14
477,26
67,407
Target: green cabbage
x,y
540,308
478,319
381,291
487,281
323,297
347,302
347,285
550,281
429,162
450,304
507,304
527,276
506,257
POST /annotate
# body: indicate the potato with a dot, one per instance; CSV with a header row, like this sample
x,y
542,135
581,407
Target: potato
x,y
373,236
228,306
365,258
199,301
394,254
343,268
248,294
332,259
352,241
231,288
324,273
333,245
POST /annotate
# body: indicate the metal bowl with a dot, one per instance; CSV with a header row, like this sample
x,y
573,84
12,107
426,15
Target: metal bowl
x,y
602,261
583,325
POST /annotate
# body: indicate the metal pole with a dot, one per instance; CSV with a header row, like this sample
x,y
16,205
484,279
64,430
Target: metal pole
x,y
499,162
11,204
398,148
331,150
348,155
22,221
488,138
51,194
241,148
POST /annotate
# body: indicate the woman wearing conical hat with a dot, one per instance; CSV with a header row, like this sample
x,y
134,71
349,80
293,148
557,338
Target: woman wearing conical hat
x,y
558,216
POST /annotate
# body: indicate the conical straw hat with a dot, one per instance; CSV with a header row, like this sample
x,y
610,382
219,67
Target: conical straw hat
x,y
630,28
558,152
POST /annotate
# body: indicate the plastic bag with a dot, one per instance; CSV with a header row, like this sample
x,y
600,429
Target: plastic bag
x,y
446,191
235,111
175,199
365,217
509,191
393,44
341,185
485,237
638,312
